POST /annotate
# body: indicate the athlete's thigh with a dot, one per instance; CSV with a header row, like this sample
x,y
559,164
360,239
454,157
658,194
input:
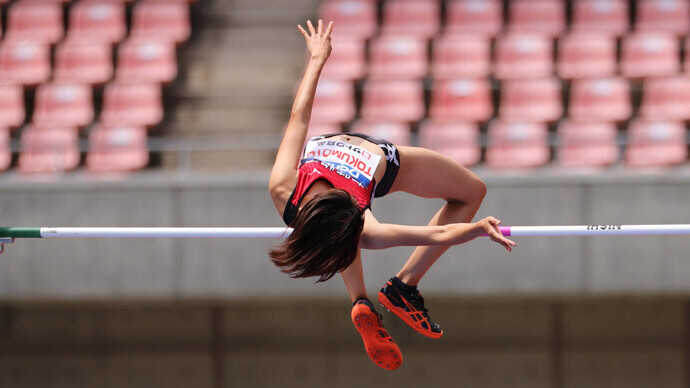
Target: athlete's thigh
x,y
429,174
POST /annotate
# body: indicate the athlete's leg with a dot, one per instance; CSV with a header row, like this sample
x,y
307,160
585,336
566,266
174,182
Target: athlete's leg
x,y
353,276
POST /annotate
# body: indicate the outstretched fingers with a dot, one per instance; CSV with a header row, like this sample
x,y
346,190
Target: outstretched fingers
x,y
303,31
329,29
496,235
311,27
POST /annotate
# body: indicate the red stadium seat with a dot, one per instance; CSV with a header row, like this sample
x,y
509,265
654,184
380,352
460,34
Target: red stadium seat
x,y
38,21
83,62
517,145
12,112
140,60
167,21
401,57
587,144
393,101
666,16
397,133
354,18
63,105
411,18
666,99
117,149
5,152
347,60
334,102
608,17
461,56
48,150
543,17
476,17
101,20
523,56
536,100
605,99
322,129
24,63
464,100
586,55
656,144
649,55
458,141
132,104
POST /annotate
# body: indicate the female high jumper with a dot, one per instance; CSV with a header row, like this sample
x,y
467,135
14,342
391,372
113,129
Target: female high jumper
x,y
324,192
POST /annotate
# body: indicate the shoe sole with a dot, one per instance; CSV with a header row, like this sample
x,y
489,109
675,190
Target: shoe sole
x,y
406,318
383,353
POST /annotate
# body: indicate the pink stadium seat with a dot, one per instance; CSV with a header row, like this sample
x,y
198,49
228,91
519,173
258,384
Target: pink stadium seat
x,y
476,17
523,56
402,57
649,55
5,152
586,55
347,60
605,99
687,56
461,56
536,100
141,60
411,18
322,129
132,104
458,141
48,150
101,20
666,99
517,145
83,62
608,17
168,21
543,17
117,149
354,18
334,102
395,132
39,21
587,144
24,63
12,112
666,16
465,100
63,105
393,101
656,144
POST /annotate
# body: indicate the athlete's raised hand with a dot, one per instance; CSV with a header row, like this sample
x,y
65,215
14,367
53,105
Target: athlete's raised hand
x,y
318,40
490,226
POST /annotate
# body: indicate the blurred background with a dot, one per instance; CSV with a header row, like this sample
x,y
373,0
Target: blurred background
x,y
169,113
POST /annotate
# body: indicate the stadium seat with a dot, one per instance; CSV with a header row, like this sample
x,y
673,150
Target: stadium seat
x,y
38,21
25,63
604,100
649,55
665,16
537,100
411,18
666,98
458,141
588,145
132,104
12,112
141,60
101,20
393,101
656,144
5,151
464,100
347,60
542,17
586,55
401,57
523,56
63,105
517,145
48,150
167,21
117,149
354,18
475,17
608,17
461,56
395,132
322,129
334,102
83,62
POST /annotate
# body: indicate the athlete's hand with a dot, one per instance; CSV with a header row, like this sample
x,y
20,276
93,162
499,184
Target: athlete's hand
x,y
318,40
490,227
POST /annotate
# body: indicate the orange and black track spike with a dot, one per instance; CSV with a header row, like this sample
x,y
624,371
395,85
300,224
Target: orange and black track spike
x,y
380,346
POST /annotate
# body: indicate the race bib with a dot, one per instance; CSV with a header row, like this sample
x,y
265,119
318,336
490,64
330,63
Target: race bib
x,y
350,161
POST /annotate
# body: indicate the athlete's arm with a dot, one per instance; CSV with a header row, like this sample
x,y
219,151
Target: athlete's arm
x,y
284,171
380,236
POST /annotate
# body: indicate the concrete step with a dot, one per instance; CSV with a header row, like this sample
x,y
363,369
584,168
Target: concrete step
x,y
253,12
212,119
218,160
